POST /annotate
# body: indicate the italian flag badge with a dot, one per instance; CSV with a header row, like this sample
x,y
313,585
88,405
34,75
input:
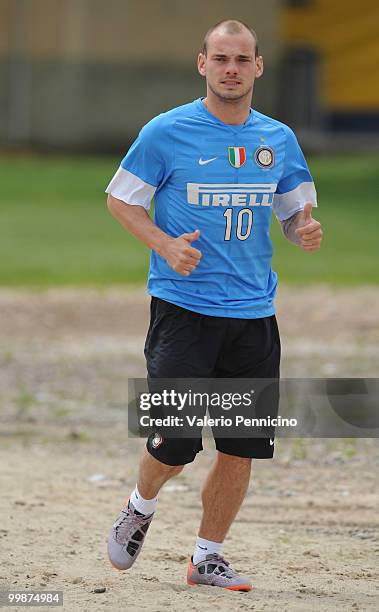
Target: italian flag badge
x,y
237,156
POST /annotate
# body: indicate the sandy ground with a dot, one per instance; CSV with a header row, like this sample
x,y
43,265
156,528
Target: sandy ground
x,y
307,533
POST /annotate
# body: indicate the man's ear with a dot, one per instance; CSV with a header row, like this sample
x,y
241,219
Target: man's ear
x,y
201,64
258,66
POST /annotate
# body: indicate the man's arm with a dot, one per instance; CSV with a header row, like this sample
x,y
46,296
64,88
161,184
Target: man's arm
x,y
303,230
178,252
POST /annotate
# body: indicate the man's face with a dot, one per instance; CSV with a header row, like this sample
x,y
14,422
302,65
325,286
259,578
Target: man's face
x,y
230,65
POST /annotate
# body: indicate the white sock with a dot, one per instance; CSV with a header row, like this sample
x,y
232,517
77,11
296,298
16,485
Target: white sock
x,y
205,547
146,506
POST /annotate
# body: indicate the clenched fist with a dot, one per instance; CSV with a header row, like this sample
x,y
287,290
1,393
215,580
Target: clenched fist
x,y
180,255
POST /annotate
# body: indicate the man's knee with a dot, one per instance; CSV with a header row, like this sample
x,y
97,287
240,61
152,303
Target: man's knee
x,y
233,460
173,470
161,466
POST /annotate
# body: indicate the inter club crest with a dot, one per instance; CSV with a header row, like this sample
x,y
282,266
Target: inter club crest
x,y
157,440
264,157
236,156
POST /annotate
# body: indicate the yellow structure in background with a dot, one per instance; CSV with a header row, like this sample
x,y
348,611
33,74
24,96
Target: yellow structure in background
x,y
345,34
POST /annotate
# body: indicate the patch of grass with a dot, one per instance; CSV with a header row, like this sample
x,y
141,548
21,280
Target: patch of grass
x,y
6,356
55,228
284,539
79,436
349,447
24,400
60,412
299,449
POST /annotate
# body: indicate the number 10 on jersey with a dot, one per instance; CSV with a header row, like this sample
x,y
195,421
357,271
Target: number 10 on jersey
x,y
244,218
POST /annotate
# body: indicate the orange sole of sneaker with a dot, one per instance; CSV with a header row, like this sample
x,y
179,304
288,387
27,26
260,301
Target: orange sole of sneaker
x,y
242,587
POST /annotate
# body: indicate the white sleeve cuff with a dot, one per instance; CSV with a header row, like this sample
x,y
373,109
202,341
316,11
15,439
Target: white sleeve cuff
x,y
287,204
130,189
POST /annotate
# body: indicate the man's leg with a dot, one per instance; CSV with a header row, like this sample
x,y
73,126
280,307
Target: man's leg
x,y
153,474
252,352
223,493
128,532
222,496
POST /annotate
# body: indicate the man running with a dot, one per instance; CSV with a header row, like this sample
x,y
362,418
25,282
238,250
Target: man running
x,y
217,169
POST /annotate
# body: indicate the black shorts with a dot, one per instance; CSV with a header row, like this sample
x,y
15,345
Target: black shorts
x,y
185,344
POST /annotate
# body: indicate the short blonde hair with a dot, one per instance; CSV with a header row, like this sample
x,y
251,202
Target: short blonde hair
x,y
232,26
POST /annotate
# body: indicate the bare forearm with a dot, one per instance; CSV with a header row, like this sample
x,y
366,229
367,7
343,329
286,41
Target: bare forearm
x,y
136,220
178,252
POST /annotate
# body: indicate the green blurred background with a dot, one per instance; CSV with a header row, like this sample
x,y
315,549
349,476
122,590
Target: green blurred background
x,y
56,229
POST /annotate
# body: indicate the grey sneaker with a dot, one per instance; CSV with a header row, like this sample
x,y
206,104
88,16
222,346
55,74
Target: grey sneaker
x,y
215,571
127,536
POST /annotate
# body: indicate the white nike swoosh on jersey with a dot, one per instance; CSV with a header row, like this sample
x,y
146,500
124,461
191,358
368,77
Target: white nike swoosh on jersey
x,y
202,162
272,441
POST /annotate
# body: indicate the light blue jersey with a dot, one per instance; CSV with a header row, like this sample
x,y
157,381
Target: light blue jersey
x,y
224,180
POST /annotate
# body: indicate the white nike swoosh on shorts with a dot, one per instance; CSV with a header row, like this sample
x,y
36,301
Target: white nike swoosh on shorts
x,y
202,162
